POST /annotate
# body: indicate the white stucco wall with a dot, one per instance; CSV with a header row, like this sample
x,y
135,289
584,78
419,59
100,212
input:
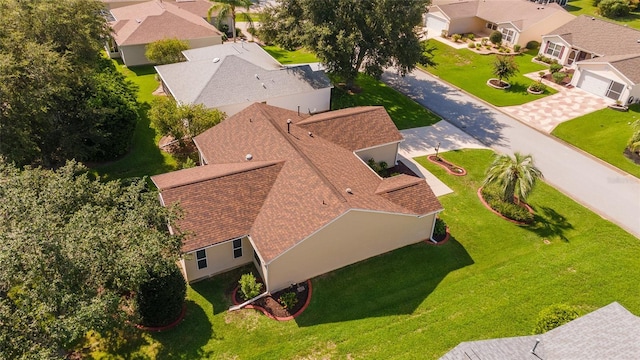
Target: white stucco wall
x,y
355,236
320,100
608,72
555,39
219,259
386,153
133,55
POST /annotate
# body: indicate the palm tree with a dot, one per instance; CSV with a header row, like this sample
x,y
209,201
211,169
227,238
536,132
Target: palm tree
x,y
504,67
225,8
515,176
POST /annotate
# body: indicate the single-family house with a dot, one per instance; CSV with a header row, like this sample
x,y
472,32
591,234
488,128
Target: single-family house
x,y
135,26
611,332
292,194
232,76
605,56
519,21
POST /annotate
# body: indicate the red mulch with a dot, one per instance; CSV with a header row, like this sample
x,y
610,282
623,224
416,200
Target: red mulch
x,y
451,168
271,305
498,83
633,156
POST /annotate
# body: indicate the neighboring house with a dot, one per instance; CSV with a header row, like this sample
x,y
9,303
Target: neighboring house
x,y
519,21
611,332
605,56
292,194
232,76
135,26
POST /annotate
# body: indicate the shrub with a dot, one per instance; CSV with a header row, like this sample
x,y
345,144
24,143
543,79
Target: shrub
x,y
496,37
492,195
381,168
456,37
614,8
554,68
159,300
478,45
444,33
558,77
553,316
471,37
484,41
166,51
471,45
517,47
249,287
504,67
288,300
440,228
532,45
537,86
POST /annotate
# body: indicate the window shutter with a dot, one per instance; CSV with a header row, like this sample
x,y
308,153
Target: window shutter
x,y
546,46
561,51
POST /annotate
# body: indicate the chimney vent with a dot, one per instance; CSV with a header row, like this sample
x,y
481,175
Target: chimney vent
x,y
288,126
248,157
310,134
349,191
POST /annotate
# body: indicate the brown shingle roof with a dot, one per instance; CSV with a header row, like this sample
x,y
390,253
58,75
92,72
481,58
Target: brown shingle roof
x,y
307,191
153,20
599,36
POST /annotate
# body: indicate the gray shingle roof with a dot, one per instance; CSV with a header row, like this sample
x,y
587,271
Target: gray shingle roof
x,y
611,332
629,65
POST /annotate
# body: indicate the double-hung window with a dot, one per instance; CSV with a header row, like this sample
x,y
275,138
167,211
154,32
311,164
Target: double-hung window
x,y
508,35
492,26
201,257
237,248
554,50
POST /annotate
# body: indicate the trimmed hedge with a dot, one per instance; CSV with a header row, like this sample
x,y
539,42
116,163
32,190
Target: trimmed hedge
x,y
492,196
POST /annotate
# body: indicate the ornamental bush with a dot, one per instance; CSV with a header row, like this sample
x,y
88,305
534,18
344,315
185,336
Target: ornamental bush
x,y
614,8
160,299
554,68
249,287
440,228
456,37
537,86
553,316
532,45
492,195
517,47
558,77
495,37
288,300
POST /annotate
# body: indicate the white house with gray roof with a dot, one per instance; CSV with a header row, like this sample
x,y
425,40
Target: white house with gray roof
x,y
232,76
611,332
605,56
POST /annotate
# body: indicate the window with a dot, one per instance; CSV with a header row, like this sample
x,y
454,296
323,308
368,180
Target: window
x,y
554,49
614,91
237,248
201,257
492,26
255,256
508,35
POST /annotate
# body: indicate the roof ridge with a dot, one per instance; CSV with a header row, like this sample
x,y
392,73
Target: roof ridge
x,y
382,190
304,156
346,112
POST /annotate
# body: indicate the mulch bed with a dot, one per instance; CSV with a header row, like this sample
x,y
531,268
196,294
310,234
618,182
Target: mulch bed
x,y
635,157
565,81
439,239
496,83
522,204
270,306
451,168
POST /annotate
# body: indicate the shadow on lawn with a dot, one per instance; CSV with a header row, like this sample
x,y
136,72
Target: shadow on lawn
x,y
548,223
391,284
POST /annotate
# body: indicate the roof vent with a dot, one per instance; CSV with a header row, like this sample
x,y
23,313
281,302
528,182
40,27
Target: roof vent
x,y
593,18
215,60
349,191
257,77
288,126
138,21
248,157
310,134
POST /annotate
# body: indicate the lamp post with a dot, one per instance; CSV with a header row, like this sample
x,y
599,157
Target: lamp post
x,y
437,148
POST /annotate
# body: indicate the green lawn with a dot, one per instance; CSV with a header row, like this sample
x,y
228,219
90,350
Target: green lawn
x,y
579,7
285,57
404,112
490,280
144,158
603,134
470,71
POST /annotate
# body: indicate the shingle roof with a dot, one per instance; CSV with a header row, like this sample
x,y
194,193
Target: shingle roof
x,y
629,65
599,36
153,20
308,191
249,51
611,332
233,79
523,14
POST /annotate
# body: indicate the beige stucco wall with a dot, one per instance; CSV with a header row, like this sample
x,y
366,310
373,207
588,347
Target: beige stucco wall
x,y
133,55
536,31
466,25
386,153
219,259
320,100
355,236
606,71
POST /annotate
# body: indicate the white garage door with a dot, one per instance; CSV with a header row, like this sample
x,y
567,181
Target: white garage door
x,y
593,83
435,25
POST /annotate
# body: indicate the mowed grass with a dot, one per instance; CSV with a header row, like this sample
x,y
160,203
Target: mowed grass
x,y
490,280
285,57
604,134
404,112
470,71
144,157
579,7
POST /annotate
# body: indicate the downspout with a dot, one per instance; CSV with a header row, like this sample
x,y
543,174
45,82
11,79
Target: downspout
x,y
433,227
240,306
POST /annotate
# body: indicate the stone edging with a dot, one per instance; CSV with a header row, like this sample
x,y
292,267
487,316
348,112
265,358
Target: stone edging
x,y
463,173
498,87
502,216
442,242
264,311
167,327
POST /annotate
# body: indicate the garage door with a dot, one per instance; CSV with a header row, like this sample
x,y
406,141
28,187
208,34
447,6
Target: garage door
x,y
435,25
593,83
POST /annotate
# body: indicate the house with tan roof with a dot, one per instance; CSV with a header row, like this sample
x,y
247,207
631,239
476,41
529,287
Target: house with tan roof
x,y
232,76
292,194
137,25
519,21
605,56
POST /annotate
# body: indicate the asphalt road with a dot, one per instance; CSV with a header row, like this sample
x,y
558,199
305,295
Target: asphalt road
x,y
609,192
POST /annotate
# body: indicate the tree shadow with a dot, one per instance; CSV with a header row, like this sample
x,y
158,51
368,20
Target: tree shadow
x,y
141,70
391,284
549,223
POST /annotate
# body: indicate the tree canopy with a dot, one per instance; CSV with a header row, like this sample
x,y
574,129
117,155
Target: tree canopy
x,y
72,249
515,176
350,35
60,98
229,8
166,51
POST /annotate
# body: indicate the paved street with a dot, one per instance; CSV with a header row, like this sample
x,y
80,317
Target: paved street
x,y
607,191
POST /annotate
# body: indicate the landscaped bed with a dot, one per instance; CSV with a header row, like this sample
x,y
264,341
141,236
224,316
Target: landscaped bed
x,y
489,280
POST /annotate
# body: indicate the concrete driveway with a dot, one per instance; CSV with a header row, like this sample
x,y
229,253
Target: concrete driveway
x,y
610,192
